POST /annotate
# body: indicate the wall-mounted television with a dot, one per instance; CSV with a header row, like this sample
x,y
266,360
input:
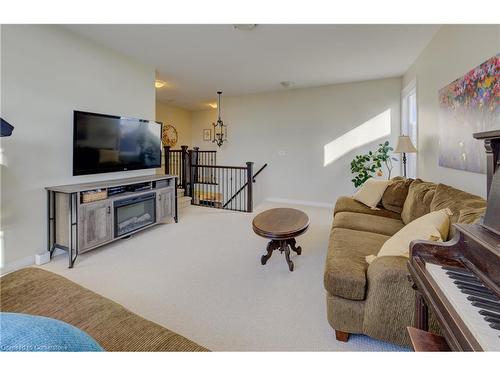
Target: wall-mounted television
x,y
106,143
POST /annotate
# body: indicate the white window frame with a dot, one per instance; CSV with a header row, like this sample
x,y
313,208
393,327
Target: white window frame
x,y
409,128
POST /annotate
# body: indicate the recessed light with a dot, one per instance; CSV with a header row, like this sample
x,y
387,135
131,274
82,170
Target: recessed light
x,y
287,84
159,83
245,27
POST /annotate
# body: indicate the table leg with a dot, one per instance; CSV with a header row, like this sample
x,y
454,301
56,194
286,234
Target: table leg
x,y
292,244
272,245
287,256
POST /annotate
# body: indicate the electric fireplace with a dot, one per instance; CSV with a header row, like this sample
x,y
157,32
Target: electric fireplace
x,y
134,213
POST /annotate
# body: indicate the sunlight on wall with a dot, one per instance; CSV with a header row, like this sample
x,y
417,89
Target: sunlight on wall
x,y
373,129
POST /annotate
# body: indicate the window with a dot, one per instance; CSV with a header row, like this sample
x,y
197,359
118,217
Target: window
x,y
409,125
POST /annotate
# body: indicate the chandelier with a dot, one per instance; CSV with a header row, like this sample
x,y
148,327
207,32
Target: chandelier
x,y
220,130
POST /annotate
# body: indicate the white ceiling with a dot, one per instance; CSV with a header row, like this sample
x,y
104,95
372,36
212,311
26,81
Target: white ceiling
x,y
198,60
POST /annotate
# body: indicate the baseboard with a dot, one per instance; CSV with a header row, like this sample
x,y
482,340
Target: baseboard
x,y
24,262
301,203
17,264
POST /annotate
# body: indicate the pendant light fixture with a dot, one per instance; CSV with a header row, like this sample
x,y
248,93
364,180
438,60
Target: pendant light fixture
x,y
220,130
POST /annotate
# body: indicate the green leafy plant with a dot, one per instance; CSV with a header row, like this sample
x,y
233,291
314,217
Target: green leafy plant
x,y
366,166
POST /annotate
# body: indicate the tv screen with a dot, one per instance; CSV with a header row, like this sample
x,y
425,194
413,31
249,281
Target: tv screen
x,y
105,143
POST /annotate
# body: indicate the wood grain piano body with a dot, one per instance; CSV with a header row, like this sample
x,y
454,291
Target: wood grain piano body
x,y
446,253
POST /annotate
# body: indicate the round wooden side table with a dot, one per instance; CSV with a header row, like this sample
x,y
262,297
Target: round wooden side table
x,y
281,226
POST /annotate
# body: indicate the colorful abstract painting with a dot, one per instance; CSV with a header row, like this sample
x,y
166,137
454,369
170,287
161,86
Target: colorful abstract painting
x,y
469,105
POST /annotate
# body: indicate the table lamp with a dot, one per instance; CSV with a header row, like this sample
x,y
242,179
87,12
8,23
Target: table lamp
x,y
404,147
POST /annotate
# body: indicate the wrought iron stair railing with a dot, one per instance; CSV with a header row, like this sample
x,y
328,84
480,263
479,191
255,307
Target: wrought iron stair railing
x,y
209,184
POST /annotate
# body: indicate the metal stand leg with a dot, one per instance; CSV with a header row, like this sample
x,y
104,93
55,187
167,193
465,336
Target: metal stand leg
x,y
176,214
73,215
51,222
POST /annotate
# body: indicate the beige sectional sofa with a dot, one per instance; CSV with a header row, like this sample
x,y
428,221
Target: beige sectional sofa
x,y
377,299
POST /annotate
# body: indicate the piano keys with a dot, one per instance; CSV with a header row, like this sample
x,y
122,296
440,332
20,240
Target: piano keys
x,y
486,333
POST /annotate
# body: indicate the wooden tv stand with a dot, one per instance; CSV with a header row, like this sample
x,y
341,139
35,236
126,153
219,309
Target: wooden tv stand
x,y
79,221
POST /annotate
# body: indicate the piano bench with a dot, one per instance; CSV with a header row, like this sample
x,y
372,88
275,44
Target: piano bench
x,y
424,341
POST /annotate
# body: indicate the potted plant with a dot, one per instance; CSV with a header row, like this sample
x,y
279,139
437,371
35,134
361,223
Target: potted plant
x,y
367,165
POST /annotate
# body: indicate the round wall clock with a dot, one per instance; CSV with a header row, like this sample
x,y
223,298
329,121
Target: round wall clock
x,y
169,135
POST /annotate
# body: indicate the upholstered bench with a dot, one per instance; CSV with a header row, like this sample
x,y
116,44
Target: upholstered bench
x,y
38,292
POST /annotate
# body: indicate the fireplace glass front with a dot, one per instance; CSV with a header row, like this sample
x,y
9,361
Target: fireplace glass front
x,y
134,213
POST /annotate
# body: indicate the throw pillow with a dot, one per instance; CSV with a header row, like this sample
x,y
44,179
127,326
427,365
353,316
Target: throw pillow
x,y
418,201
371,192
395,195
30,333
433,226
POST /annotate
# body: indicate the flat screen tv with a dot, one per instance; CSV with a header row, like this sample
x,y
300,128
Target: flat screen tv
x,y
105,143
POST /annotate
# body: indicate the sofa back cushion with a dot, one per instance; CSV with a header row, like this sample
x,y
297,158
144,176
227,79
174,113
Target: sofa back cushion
x,y
470,215
458,200
418,200
395,195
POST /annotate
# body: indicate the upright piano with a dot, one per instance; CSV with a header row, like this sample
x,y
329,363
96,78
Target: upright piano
x,y
459,280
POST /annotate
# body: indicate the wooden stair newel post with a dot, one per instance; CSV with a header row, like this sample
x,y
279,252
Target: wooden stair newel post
x,y
184,167
166,152
192,178
195,157
250,186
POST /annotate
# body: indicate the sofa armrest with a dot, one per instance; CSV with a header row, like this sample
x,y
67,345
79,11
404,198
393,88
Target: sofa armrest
x,y
390,300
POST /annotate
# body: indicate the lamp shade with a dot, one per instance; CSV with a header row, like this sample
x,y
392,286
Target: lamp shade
x,y
405,145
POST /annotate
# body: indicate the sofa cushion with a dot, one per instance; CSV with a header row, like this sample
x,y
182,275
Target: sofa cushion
x,y
367,223
418,201
347,204
456,200
395,195
345,270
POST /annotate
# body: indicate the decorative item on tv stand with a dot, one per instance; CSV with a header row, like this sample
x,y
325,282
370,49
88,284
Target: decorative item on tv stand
x,y
366,166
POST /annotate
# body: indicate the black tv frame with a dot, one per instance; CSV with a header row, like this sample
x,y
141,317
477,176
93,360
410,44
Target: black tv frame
x,y
110,169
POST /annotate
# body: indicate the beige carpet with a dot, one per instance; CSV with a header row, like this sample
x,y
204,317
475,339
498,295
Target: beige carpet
x,y
203,279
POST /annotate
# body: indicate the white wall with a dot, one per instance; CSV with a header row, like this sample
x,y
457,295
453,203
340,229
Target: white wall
x,y
289,130
47,72
453,52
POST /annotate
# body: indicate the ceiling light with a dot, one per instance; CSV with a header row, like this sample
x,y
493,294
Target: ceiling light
x,y
159,83
212,105
245,27
287,84
220,130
